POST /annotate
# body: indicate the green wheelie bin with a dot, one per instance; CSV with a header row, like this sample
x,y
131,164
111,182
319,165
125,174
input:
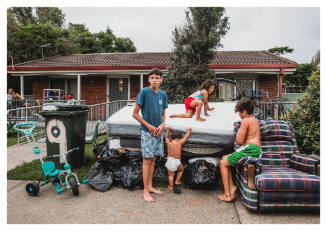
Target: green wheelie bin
x,y
65,126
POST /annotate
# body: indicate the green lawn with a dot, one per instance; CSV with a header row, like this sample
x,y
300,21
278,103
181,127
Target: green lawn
x,y
32,170
11,141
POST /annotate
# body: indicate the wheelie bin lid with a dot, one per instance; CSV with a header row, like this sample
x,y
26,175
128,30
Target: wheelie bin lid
x,y
63,109
58,106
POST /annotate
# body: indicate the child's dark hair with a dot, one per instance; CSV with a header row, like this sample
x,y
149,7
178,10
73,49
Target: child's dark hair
x,y
155,71
245,104
176,135
207,84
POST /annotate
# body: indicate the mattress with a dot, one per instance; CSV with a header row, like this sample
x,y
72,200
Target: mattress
x,y
216,133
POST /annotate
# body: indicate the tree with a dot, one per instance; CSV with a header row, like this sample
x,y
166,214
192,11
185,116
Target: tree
x,y
280,50
25,43
106,41
124,45
302,73
22,15
306,119
300,76
195,45
102,42
83,38
316,59
30,28
51,15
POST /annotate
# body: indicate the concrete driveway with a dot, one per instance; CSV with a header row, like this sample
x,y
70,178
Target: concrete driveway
x,y
121,206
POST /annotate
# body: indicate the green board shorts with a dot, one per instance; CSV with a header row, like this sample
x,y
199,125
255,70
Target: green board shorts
x,y
248,150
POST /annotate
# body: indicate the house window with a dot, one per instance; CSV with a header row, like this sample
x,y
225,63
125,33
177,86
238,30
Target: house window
x,y
57,84
245,87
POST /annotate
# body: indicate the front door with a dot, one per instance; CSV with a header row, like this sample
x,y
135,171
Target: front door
x,y
118,91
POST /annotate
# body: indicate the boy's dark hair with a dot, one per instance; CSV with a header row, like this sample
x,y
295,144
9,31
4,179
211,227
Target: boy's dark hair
x,y
245,104
207,84
155,71
176,135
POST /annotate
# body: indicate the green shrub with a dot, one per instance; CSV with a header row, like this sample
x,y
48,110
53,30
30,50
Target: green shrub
x,y
306,119
10,129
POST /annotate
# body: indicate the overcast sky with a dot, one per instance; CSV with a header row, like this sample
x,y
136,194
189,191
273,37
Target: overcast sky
x,y
250,28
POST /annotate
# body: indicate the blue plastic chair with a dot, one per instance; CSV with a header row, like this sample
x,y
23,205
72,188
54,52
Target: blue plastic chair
x,y
89,139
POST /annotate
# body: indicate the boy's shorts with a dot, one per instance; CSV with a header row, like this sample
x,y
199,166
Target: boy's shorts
x,y
248,150
151,145
187,102
172,163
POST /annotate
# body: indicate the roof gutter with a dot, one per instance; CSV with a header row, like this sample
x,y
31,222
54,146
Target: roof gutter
x,y
211,66
35,68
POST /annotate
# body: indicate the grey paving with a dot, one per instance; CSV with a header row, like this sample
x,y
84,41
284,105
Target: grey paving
x,y
18,154
121,206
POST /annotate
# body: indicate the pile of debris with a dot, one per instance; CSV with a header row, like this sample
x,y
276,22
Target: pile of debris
x,y
122,167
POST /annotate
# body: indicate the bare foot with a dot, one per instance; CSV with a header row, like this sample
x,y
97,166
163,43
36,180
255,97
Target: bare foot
x,y
156,191
170,188
147,197
200,119
233,192
225,198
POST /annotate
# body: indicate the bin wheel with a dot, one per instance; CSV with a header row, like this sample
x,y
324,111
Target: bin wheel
x,y
73,184
32,189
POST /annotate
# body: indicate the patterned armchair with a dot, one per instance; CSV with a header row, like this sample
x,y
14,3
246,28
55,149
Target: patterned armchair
x,y
281,178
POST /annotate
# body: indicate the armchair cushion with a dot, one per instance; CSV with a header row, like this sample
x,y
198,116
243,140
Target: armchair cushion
x,y
271,130
305,163
286,179
276,153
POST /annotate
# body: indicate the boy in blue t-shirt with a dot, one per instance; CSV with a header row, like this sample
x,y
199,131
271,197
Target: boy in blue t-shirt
x,y
153,103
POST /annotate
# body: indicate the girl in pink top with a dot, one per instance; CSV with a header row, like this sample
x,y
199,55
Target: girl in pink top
x,y
194,102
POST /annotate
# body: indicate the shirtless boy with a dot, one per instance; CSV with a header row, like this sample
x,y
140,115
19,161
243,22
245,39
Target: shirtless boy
x,y
173,164
248,136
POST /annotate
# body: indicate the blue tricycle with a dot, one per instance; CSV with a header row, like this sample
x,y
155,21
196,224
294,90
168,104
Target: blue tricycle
x,y
58,177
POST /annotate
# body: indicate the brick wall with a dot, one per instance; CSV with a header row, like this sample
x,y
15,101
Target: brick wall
x,y
270,83
135,84
39,83
93,89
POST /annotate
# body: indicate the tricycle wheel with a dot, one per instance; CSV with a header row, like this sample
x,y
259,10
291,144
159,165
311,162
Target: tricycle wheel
x,y
73,184
32,188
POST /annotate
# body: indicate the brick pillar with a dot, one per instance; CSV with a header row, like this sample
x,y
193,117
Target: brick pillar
x,y
39,84
280,92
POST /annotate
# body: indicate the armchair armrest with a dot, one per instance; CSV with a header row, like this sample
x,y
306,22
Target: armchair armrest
x,y
306,163
251,166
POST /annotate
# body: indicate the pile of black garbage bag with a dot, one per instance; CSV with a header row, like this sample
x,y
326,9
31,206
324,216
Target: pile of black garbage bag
x,y
124,169
200,174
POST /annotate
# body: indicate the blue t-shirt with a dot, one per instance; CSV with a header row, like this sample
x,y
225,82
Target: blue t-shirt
x,y
152,105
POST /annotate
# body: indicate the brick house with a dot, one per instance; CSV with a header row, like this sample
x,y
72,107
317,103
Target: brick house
x,y
103,77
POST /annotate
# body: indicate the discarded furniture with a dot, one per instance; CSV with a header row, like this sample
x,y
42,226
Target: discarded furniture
x,y
89,139
281,178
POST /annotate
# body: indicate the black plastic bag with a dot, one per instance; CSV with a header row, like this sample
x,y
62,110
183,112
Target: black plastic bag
x,y
134,156
109,158
100,148
129,176
201,175
160,171
99,178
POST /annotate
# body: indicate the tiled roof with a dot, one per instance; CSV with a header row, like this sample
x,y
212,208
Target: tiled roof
x,y
249,57
227,59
